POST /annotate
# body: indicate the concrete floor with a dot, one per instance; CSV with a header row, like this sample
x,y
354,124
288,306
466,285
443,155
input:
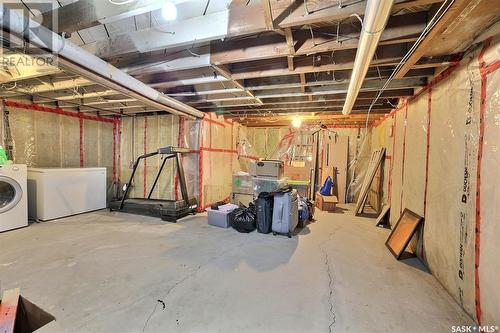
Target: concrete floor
x,y
107,272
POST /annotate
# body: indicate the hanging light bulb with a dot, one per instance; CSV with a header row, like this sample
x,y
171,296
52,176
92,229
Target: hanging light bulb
x,y
169,11
296,122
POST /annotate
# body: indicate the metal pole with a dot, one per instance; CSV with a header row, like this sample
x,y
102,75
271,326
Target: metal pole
x,y
182,179
158,175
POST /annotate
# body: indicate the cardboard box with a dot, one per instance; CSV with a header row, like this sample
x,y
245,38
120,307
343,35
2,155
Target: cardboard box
x,y
242,183
326,203
18,315
296,173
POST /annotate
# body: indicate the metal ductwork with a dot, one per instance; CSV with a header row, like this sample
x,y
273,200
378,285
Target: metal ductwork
x,y
377,13
90,66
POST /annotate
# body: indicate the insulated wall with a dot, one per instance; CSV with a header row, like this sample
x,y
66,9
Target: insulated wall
x,y
444,166
217,153
272,141
208,167
50,137
145,134
488,210
266,140
382,137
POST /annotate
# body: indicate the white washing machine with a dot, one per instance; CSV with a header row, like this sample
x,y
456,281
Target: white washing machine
x,y
13,197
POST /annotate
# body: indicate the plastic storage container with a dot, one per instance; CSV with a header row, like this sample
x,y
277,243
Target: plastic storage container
x,y
261,184
267,168
302,187
244,199
220,217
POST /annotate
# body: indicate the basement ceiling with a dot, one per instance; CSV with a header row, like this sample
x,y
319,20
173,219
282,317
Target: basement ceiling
x,y
259,62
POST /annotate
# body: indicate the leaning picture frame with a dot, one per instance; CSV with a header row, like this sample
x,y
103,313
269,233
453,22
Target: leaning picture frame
x,y
403,232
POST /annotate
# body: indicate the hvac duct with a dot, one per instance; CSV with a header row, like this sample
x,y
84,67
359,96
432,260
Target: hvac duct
x,y
377,13
87,64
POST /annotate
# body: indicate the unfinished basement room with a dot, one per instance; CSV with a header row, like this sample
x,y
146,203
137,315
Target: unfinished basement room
x,y
249,166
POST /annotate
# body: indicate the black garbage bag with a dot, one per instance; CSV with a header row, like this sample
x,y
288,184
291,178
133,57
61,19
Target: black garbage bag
x,y
243,219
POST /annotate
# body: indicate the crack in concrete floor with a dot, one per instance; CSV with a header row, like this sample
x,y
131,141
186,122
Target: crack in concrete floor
x,y
181,281
331,309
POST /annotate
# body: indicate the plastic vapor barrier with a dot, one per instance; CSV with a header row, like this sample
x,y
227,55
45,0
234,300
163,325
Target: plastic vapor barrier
x,y
444,166
287,144
216,152
382,138
142,135
52,137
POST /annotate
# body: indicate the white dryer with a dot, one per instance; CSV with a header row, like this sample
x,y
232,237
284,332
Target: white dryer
x,y
13,197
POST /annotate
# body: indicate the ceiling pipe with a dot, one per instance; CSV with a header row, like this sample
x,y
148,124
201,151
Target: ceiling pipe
x,y
90,66
377,13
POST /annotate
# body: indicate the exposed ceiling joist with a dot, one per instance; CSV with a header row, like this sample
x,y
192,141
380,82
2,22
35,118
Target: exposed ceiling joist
x,y
341,88
429,63
94,12
339,97
190,59
50,86
306,115
276,86
453,13
289,81
224,71
400,29
268,15
179,33
317,108
300,13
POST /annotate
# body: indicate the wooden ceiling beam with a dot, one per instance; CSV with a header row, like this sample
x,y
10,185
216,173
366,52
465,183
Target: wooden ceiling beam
x,y
400,29
320,108
296,13
340,97
84,14
453,13
224,71
302,82
268,15
342,88
310,98
48,85
255,87
307,123
386,56
308,116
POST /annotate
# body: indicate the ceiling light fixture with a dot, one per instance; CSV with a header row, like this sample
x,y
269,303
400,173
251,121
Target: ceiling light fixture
x,y
169,11
296,122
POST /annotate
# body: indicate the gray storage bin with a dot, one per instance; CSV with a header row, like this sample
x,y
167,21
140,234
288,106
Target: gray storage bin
x,y
220,218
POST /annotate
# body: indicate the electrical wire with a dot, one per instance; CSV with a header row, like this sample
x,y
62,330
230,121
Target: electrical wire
x,y
435,19
439,14
10,88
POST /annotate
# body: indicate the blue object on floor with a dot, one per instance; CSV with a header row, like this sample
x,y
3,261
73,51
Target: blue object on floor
x,y
327,187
